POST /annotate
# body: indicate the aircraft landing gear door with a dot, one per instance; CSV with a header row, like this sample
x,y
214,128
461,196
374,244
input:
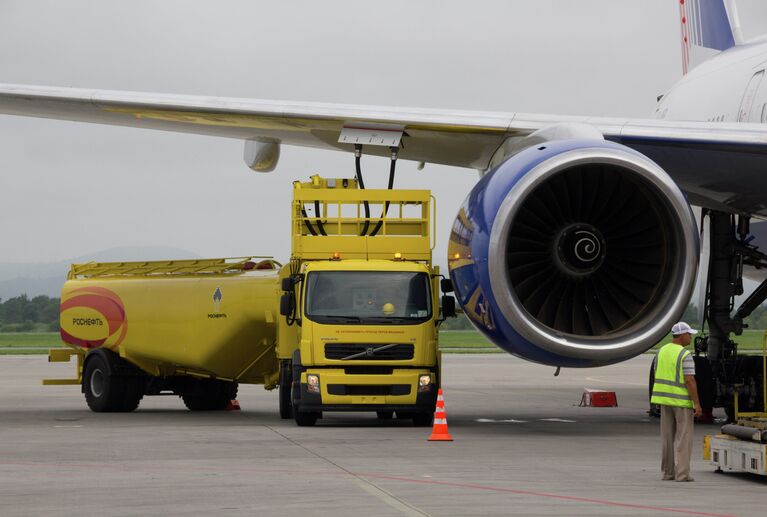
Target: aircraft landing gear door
x,y
747,113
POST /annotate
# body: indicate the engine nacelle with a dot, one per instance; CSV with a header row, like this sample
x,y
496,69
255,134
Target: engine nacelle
x,y
574,253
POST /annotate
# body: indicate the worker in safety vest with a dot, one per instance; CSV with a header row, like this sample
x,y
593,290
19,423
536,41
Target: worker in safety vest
x,y
676,392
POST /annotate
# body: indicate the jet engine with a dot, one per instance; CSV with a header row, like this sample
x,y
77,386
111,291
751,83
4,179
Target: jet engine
x,y
574,253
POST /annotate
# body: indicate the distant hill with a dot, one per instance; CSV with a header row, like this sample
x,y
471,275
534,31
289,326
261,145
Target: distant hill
x,y
46,278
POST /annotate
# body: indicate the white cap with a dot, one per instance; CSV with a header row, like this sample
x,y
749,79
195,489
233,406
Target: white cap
x,y
682,328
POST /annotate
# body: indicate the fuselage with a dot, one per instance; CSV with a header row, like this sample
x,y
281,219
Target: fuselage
x,y
729,87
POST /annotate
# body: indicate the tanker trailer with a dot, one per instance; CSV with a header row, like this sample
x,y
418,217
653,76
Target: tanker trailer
x,y
193,328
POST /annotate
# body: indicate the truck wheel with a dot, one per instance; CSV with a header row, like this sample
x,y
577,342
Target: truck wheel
x,y
305,419
385,415
134,392
423,419
296,369
209,395
286,385
106,393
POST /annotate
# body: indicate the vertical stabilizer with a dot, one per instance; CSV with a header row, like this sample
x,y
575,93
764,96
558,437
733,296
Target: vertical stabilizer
x,y
707,29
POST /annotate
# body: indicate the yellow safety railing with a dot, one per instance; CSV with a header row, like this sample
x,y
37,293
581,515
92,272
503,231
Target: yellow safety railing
x,y
330,221
171,267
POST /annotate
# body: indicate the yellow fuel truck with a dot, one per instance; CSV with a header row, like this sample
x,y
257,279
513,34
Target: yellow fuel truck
x,y
349,324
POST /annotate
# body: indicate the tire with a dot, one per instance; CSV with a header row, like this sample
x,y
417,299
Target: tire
x,y
134,392
209,394
296,368
106,393
286,386
423,419
305,419
385,415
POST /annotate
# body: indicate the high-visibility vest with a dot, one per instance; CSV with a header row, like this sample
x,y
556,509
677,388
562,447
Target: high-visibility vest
x,y
669,388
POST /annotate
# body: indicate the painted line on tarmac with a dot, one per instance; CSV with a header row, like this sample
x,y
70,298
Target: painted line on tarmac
x,y
367,485
512,421
493,421
366,477
387,497
548,495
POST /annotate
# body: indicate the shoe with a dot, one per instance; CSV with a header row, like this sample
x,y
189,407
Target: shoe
x,y
686,479
668,478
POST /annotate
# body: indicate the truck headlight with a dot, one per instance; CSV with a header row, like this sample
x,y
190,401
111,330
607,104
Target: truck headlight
x,y
424,382
312,383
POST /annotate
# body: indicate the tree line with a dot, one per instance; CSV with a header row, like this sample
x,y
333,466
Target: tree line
x,y
41,313
757,319
24,314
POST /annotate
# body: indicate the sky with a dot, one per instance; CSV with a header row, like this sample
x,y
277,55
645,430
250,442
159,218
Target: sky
x,y
69,189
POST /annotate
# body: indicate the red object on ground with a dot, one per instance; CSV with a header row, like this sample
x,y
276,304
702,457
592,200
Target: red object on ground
x,y
234,405
439,430
598,398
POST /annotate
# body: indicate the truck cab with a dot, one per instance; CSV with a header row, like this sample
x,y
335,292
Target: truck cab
x,y
365,308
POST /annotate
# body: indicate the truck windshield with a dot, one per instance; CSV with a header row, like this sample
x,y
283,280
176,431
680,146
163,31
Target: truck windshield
x,y
368,297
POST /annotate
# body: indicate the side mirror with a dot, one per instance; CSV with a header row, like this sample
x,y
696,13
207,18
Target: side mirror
x,y
448,307
446,285
285,308
288,283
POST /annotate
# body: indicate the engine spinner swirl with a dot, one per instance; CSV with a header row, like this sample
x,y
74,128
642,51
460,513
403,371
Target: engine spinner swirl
x,y
580,249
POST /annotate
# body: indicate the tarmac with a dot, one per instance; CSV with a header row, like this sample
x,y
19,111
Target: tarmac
x,y
522,446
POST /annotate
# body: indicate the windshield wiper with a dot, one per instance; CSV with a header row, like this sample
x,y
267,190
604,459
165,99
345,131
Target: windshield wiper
x,y
392,319
339,318
368,352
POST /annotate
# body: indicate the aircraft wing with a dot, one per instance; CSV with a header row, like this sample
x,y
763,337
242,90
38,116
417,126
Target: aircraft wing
x,y
716,164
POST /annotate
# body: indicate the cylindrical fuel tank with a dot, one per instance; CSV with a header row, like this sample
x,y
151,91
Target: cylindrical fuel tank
x,y
210,324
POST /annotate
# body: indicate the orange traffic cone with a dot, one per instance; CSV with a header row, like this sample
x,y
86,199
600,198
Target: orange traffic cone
x,y
439,431
234,405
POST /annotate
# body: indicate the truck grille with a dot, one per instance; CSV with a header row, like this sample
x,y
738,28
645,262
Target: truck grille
x,y
368,369
354,389
369,351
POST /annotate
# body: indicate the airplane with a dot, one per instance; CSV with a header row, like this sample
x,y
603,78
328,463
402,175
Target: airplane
x,y
578,246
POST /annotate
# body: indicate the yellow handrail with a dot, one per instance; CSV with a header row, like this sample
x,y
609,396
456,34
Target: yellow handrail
x,y
171,267
336,226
